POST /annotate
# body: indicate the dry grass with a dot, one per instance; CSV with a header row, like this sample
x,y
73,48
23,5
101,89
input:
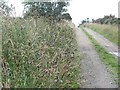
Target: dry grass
x,y
39,54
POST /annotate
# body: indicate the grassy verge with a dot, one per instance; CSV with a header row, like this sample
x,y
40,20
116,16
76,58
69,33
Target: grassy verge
x,y
108,31
37,54
106,58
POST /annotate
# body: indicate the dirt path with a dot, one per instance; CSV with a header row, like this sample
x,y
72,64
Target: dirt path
x,y
105,43
94,73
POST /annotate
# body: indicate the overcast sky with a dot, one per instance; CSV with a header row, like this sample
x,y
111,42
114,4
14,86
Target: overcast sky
x,y
82,9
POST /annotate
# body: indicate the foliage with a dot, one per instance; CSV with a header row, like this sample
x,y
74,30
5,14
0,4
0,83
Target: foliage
x,y
4,8
66,16
107,19
48,9
84,21
39,55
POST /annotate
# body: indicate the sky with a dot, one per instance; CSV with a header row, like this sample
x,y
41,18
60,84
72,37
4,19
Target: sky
x,y
82,9
93,9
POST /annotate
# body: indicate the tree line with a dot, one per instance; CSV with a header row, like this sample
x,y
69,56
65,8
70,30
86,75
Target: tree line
x,y
51,10
5,10
107,19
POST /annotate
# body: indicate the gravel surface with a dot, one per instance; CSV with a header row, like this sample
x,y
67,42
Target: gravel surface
x,y
105,43
93,72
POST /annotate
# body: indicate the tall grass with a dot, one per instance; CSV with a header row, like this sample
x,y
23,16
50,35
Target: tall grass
x,y
108,31
37,54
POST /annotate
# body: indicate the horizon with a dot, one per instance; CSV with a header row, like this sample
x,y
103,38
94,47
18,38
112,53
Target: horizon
x,y
87,9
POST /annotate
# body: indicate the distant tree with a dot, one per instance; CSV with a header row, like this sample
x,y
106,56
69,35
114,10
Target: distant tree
x,y
83,21
93,21
47,9
118,21
87,20
107,19
66,16
4,8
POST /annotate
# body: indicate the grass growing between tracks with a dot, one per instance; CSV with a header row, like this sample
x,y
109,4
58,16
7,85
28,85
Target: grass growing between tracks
x,y
106,58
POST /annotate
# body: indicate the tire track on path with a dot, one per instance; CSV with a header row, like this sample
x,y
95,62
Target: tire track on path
x,y
93,72
105,43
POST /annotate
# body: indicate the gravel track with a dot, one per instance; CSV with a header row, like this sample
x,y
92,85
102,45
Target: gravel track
x,y
105,43
93,72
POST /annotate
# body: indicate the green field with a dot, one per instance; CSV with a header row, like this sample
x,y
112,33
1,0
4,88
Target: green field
x,y
39,53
